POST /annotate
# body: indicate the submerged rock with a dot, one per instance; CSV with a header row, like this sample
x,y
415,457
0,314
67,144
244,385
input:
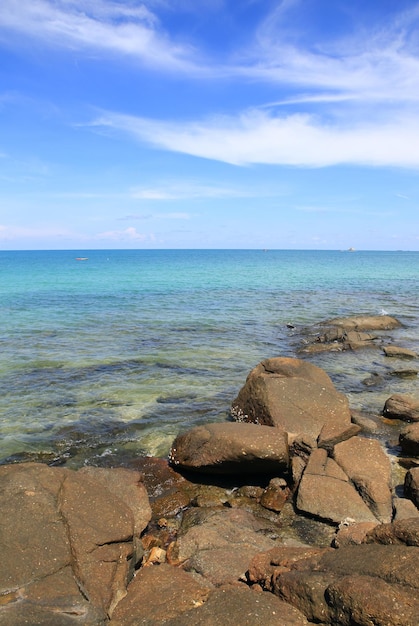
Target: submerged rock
x,y
364,322
400,353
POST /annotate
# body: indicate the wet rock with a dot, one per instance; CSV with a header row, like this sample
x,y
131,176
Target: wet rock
x,y
325,492
292,395
402,407
366,423
230,606
231,448
70,541
400,353
369,469
159,593
409,439
365,322
275,495
411,485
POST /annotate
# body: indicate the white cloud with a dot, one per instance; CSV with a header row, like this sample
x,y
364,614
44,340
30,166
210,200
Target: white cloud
x,y
189,190
129,28
11,233
258,137
128,234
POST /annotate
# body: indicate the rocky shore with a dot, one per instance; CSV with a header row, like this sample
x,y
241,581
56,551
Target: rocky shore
x,y
292,513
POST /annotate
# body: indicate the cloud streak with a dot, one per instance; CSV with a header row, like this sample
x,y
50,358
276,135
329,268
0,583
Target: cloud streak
x,y
259,137
101,25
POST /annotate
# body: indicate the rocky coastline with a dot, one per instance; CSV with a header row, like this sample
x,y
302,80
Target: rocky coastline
x,y
291,513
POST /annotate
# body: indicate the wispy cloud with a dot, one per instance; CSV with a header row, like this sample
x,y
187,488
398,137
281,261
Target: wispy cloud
x,y
256,137
157,216
189,190
128,28
127,234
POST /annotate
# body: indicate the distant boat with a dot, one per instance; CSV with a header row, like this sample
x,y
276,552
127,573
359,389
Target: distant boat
x,y
351,249
82,258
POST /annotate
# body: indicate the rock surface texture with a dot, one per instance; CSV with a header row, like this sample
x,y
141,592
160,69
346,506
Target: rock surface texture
x,y
287,516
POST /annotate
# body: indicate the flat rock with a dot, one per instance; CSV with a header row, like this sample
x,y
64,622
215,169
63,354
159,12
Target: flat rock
x,y
369,469
325,492
158,593
402,407
398,352
364,322
230,606
292,395
231,448
219,544
69,542
409,439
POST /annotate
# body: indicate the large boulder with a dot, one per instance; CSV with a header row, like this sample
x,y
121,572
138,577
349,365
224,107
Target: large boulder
x,y
295,396
231,448
69,542
326,492
369,469
402,407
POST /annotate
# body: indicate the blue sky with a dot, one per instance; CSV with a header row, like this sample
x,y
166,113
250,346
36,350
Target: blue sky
x,y
209,124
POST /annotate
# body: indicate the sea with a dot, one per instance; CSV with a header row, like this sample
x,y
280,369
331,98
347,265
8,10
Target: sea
x,y
106,355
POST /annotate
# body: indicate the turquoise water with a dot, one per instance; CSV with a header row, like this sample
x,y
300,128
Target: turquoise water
x,y
116,354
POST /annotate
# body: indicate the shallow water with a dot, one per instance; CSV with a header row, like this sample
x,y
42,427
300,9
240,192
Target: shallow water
x,y
115,355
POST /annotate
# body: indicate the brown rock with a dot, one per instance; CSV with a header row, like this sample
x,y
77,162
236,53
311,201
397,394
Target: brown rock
x,y
369,469
350,534
219,544
402,407
69,543
266,566
230,606
158,593
325,492
365,322
275,495
401,353
311,583
404,509
404,531
231,448
411,485
292,395
366,600
409,439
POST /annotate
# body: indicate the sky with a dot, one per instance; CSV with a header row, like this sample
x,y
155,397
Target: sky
x,y
262,124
